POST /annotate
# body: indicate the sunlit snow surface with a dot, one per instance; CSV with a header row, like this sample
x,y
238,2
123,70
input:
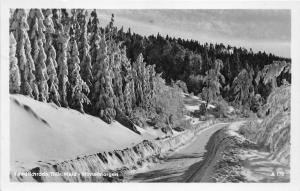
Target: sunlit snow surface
x,y
42,132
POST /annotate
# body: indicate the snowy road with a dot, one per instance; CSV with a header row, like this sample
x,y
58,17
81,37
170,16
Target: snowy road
x,y
181,164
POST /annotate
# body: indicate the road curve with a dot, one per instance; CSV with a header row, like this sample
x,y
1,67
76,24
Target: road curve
x,y
181,164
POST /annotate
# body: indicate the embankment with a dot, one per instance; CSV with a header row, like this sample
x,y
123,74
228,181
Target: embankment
x,y
105,166
221,157
233,156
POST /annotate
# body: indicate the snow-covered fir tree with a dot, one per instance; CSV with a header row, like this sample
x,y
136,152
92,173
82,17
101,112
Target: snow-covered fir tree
x,y
93,30
138,70
103,95
37,37
14,72
78,89
128,82
62,43
115,63
85,64
212,82
51,58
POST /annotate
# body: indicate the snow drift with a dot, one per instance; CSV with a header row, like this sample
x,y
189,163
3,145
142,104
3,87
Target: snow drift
x,y
43,132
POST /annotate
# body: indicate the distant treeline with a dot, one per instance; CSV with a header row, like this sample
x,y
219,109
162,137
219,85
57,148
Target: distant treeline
x,y
188,60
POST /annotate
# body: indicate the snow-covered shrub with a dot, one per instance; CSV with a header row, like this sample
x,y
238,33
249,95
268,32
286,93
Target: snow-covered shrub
x,y
168,103
273,133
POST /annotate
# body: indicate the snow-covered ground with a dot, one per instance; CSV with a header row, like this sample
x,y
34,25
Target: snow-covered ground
x,y
258,166
232,157
43,132
192,102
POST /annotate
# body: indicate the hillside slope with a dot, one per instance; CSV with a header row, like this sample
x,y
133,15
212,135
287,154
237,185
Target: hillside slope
x,y
44,132
46,138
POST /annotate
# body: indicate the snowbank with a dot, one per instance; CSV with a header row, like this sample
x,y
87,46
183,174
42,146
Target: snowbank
x,y
44,132
100,166
216,149
231,157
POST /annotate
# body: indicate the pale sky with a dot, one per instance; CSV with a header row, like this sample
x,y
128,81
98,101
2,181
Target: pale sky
x,y
265,30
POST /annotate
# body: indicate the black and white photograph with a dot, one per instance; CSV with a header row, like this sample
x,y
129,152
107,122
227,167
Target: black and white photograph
x,y
171,95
